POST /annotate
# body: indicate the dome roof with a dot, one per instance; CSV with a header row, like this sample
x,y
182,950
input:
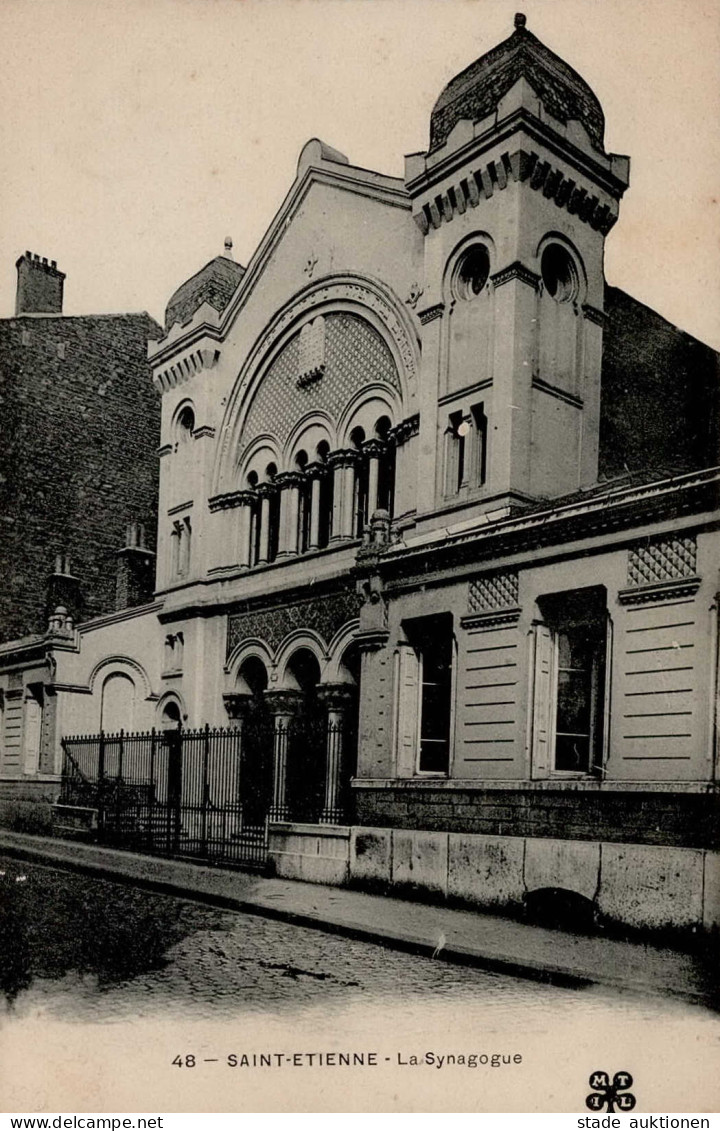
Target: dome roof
x,y
476,91
215,283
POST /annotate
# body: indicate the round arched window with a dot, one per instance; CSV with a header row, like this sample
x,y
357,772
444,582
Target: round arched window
x,y
185,423
471,272
559,273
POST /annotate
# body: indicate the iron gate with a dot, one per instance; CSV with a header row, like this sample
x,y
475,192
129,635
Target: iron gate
x,y
197,793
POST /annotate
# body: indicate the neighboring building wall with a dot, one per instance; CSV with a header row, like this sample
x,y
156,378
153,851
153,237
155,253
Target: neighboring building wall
x,y
649,362
78,461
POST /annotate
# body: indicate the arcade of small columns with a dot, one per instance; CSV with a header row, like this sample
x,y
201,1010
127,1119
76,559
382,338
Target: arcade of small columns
x,y
338,699
306,517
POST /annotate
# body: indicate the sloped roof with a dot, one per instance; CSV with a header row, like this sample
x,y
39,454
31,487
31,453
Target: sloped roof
x,y
215,284
476,91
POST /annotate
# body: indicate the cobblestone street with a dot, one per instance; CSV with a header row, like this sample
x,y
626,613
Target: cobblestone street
x,y
117,982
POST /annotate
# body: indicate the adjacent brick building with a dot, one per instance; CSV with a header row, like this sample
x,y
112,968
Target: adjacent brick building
x,y
79,431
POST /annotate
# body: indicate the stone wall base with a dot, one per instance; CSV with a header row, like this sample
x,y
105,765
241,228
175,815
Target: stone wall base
x,y
318,854
649,888
26,804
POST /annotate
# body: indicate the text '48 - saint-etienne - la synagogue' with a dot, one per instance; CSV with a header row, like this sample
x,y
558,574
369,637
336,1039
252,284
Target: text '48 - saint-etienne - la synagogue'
x,y
437,553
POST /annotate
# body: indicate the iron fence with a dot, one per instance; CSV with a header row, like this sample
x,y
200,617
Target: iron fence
x,y
194,793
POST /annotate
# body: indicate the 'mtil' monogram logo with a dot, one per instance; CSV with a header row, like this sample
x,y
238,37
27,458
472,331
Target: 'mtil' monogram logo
x,y
610,1096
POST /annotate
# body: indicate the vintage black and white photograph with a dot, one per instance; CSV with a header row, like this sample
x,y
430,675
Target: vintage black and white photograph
x,y
359,556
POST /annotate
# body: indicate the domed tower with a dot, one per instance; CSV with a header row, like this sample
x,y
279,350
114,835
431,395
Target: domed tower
x,y
514,196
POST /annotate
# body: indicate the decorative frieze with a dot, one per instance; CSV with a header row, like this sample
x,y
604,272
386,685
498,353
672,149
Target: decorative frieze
x,y
185,367
481,183
325,616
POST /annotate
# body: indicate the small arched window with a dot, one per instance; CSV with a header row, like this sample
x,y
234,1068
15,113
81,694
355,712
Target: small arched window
x,y
185,424
559,273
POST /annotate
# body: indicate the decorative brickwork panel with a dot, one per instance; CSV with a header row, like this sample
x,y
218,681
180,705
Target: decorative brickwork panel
x,y
668,560
496,591
324,617
355,355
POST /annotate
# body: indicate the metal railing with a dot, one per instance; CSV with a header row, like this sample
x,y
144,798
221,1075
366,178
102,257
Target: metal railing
x,y
203,793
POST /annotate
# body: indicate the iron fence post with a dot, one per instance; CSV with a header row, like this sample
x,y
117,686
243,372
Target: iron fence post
x,y
206,790
151,801
101,784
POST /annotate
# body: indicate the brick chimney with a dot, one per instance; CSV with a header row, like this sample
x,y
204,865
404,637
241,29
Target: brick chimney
x,y
39,286
135,578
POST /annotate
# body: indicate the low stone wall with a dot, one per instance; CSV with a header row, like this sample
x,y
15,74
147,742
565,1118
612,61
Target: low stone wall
x,y
26,804
686,820
317,853
644,887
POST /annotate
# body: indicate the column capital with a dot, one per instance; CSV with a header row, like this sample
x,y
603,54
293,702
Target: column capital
x,y
316,470
237,703
336,696
289,479
343,457
265,490
283,701
403,431
374,447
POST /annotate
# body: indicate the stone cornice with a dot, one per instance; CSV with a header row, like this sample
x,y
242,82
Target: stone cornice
x,y
522,121
490,619
516,270
180,507
405,430
431,313
522,166
231,499
619,509
659,591
554,391
592,314
192,362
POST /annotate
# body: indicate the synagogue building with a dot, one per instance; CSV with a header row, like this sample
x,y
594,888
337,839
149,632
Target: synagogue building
x,y
436,601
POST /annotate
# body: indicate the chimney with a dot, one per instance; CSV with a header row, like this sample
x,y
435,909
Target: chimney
x,y
39,286
135,577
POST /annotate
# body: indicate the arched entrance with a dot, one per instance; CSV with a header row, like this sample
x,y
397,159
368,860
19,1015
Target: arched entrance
x,y
256,748
306,739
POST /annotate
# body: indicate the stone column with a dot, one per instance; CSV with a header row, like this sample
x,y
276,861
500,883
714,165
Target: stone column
x,y
264,491
316,472
283,706
289,483
374,451
236,705
343,468
246,501
338,698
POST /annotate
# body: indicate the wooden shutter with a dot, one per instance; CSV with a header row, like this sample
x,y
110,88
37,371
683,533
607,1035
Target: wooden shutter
x,y
407,692
543,704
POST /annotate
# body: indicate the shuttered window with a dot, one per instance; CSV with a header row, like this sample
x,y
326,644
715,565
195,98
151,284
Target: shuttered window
x,y
569,684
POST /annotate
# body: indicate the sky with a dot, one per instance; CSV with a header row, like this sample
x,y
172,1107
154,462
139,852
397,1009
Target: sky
x,y
135,135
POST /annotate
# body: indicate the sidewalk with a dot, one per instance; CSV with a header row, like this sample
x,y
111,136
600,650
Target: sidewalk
x,y
488,941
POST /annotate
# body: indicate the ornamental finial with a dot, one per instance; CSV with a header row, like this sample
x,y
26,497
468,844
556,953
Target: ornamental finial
x,y
520,20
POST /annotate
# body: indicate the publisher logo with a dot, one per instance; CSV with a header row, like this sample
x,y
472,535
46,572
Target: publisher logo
x,y
610,1097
